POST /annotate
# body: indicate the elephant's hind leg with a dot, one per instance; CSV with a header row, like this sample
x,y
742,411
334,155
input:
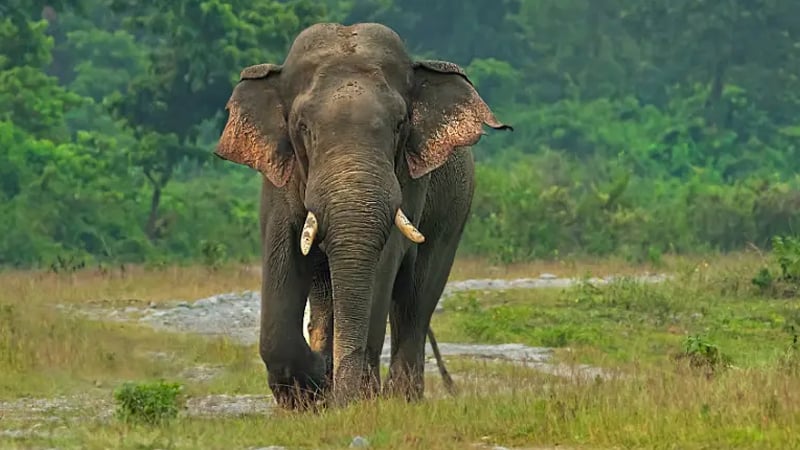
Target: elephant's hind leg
x,y
320,325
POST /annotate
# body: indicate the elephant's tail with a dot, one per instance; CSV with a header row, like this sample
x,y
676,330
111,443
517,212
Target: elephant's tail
x,y
449,385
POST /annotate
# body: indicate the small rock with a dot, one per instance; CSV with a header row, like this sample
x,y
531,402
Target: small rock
x,y
359,442
547,276
183,304
131,309
14,434
271,447
210,301
498,447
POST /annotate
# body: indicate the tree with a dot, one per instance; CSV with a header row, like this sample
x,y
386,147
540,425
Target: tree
x,y
195,52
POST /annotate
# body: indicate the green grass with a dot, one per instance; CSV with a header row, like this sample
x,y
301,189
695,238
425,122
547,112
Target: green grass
x,y
743,409
630,322
660,400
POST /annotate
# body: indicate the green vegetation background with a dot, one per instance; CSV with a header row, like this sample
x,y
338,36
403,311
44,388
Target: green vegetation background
x,y
641,127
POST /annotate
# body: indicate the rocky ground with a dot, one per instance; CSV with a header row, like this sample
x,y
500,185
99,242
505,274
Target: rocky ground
x,y
236,315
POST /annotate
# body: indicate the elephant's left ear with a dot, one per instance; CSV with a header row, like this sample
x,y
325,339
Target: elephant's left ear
x,y
447,112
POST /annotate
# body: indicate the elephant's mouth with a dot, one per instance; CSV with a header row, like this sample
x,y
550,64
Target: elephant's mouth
x,y
401,221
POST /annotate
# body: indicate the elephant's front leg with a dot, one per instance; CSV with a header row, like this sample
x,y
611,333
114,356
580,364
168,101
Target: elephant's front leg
x,y
295,374
417,289
423,276
388,265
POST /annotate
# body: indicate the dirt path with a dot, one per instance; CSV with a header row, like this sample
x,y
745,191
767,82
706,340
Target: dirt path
x,y
236,315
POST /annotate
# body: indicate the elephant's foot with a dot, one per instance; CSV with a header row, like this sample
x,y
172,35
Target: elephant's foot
x,y
407,369
299,393
299,389
372,383
405,381
296,397
352,384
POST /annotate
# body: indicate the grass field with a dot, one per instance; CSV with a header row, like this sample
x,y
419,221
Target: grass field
x,y
706,360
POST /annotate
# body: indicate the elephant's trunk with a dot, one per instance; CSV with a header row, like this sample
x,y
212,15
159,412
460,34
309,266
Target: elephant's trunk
x,y
352,277
355,210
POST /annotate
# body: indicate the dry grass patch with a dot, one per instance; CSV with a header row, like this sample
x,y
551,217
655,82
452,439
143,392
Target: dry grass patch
x,y
46,351
132,285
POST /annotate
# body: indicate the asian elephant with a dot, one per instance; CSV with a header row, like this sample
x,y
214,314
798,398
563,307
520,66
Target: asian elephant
x,y
367,185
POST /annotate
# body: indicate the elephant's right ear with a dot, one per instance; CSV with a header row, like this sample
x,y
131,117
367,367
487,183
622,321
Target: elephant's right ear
x,y
255,134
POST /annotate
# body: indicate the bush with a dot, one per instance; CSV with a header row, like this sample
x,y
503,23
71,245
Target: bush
x,y
704,356
550,204
785,255
149,403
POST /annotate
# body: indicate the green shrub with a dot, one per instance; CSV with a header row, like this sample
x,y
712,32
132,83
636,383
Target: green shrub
x,y
786,255
786,251
703,355
149,403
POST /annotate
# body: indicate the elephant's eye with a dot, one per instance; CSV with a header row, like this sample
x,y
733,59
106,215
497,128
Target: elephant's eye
x,y
302,127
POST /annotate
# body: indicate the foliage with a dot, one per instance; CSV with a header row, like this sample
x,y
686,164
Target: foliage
x,y
786,255
150,403
641,128
704,355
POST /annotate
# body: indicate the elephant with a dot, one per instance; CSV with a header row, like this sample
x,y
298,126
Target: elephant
x,y
367,183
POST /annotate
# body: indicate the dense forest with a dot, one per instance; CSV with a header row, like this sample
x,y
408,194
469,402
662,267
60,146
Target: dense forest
x,y
640,127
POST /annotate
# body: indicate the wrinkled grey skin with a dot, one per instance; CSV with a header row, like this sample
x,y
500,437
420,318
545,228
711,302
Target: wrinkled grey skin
x,y
351,129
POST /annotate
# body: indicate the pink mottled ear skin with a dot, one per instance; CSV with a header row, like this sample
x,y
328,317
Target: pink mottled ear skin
x,y
447,113
255,134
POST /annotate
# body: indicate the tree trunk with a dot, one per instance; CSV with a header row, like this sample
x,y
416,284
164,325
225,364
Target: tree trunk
x,y
151,227
714,101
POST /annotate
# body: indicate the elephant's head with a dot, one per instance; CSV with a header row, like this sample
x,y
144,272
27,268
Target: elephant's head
x,y
349,117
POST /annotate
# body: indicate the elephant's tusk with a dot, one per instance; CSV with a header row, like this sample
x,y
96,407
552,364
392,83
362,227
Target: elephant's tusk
x,y
407,228
309,232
